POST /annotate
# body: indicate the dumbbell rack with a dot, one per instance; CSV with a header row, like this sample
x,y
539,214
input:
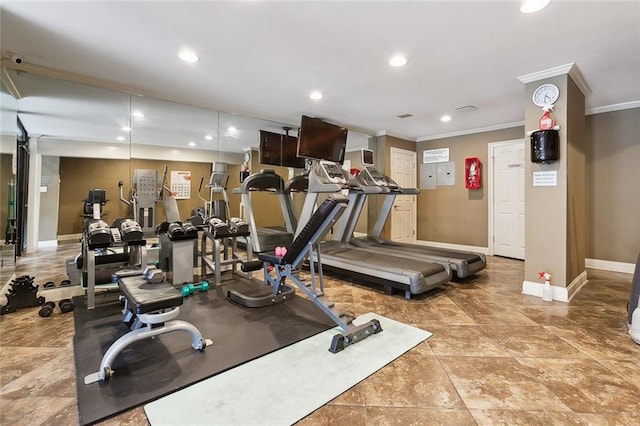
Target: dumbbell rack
x,y
22,294
220,256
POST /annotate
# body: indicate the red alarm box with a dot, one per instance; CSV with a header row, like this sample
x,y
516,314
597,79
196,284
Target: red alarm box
x,y
472,173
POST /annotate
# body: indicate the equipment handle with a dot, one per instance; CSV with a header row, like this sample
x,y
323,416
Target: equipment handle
x,y
120,185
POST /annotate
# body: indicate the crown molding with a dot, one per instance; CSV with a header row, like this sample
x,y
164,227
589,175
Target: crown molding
x,y
9,84
614,107
570,69
472,131
395,135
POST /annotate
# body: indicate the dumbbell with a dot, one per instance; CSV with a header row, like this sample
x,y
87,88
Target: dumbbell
x,y
189,289
47,309
66,305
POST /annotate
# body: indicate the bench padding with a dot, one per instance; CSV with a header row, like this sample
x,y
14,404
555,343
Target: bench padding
x,y
144,297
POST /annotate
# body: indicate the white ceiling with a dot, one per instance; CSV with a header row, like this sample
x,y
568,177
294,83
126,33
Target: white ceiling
x,y
264,58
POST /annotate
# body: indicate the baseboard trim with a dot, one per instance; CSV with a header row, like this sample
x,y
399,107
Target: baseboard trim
x,y
574,287
50,243
610,265
461,247
69,237
535,289
560,294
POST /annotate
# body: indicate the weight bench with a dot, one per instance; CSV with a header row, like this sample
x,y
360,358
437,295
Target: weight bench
x,y
302,249
150,310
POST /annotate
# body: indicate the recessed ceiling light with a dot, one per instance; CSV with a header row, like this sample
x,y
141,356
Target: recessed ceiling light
x,y
120,138
445,118
398,61
126,129
208,137
188,56
315,95
530,6
232,129
192,144
137,114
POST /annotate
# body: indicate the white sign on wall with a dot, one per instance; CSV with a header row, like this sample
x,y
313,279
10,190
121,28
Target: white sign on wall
x,y
548,178
440,155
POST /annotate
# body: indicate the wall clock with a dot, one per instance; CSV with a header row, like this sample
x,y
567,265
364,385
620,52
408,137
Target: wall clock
x,y
546,94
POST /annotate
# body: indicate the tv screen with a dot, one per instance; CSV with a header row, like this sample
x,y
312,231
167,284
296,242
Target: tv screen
x,y
270,148
290,153
367,157
320,140
279,150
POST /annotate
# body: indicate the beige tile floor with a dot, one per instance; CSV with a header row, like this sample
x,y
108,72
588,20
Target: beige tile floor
x,y
495,357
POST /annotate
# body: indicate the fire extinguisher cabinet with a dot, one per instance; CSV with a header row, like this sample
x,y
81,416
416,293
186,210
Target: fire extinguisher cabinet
x,y
472,173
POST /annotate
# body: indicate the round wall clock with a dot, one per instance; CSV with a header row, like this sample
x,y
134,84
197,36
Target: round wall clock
x,y
546,94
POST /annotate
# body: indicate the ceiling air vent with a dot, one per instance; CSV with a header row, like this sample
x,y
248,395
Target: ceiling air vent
x,y
467,108
405,115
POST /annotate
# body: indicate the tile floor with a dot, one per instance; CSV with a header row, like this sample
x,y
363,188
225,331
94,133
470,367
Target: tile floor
x,y
495,357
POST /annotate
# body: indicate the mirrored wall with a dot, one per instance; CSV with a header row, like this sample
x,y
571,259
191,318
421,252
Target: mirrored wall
x,y
8,136
84,137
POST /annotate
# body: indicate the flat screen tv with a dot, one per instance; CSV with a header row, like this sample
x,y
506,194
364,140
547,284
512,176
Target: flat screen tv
x,y
270,148
279,150
320,140
290,153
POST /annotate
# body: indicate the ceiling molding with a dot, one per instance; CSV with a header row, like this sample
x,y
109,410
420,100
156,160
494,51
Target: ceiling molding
x,y
614,107
9,84
472,131
578,78
570,69
548,73
395,135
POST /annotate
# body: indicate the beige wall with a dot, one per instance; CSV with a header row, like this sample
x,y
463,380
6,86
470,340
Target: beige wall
x,y
453,214
79,175
576,183
613,185
382,154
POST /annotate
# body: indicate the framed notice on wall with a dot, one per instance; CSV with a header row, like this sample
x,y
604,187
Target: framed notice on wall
x,y
440,155
181,185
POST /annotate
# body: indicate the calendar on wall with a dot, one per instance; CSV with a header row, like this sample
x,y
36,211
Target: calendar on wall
x,y
181,185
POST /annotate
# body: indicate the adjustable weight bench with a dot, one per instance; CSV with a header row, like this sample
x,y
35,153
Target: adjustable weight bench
x,y
150,310
301,249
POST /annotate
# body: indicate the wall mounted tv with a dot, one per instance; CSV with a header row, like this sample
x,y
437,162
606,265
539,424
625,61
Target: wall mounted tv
x,y
320,140
279,150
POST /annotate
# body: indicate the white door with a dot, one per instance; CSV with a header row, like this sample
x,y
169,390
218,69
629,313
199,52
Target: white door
x,y
403,213
508,199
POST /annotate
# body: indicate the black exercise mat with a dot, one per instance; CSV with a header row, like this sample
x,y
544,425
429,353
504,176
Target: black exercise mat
x,y
152,368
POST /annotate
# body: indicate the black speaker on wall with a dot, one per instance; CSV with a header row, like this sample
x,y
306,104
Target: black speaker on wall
x,y
545,146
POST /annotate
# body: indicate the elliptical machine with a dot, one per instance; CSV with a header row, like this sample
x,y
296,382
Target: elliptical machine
x,y
632,308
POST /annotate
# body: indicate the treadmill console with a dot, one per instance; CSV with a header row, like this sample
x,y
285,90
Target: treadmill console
x,y
372,177
332,172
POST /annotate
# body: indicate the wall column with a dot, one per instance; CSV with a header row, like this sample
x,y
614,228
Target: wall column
x,y
555,216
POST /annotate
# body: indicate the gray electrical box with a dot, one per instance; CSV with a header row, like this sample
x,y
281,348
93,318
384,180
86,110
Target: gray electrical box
x,y
446,173
428,176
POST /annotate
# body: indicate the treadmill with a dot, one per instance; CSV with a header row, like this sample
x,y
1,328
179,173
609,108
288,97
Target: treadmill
x,y
267,238
391,269
463,264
